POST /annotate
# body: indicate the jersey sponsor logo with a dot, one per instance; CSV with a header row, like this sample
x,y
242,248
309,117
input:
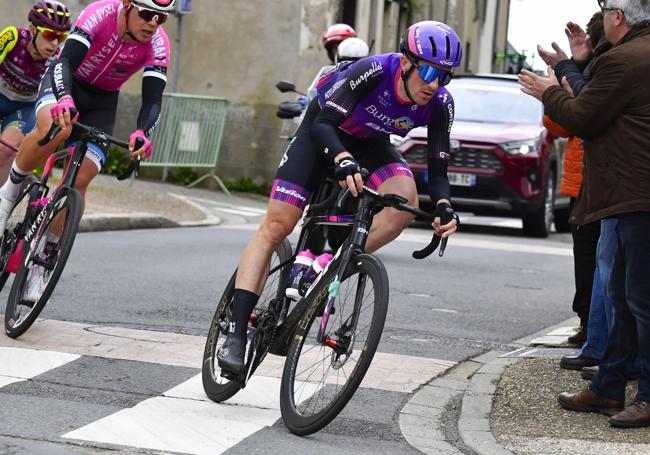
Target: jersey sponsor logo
x,y
95,19
443,155
450,110
334,88
7,38
92,62
159,47
337,107
58,78
443,97
378,128
375,68
288,192
402,123
385,99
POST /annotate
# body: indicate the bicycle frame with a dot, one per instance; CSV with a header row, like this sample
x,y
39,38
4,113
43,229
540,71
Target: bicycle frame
x,y
354,245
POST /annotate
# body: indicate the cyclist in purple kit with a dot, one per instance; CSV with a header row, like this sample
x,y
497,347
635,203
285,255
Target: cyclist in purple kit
x,y
111,41
24,53
359,104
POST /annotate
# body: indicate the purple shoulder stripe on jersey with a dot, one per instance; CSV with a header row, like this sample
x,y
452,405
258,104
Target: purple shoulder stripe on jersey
x,y
382,174
290,193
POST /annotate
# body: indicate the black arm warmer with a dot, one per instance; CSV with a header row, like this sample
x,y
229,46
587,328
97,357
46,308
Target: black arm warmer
x,y
152,93
571,70
71,57
360,81
438,156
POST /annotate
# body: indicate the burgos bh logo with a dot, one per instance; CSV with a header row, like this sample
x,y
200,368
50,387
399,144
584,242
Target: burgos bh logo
x,y
404,123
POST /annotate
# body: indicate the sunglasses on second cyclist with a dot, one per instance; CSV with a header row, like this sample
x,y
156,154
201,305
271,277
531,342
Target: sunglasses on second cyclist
x,y
51,35
148,15
429,73
601,4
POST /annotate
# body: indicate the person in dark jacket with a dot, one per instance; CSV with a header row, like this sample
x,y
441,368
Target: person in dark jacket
x,y
612,115
585,237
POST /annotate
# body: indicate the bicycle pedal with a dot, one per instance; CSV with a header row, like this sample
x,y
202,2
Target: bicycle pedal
x,y
232,376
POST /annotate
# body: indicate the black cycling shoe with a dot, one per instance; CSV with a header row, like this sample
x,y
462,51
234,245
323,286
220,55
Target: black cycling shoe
x,y
231,357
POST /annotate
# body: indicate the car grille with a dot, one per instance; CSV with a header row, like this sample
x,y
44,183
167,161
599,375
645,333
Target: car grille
x,y
465,157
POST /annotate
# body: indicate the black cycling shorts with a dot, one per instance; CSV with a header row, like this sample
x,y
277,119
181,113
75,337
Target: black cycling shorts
x,y
303,165
96,108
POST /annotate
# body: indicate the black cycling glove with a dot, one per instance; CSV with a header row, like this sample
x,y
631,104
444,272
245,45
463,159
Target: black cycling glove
x,y
345,167
446,214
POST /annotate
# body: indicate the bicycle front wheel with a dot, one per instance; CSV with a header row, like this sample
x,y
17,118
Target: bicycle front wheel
x,y
320,377
216,387
16,224
44,259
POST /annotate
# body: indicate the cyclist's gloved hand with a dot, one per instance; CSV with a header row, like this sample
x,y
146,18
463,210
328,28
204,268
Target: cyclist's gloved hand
x,y
446,222
146,150
60,112
348,173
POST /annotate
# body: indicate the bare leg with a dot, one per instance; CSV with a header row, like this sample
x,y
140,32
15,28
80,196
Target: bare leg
x,y
14,137
278,223
30,155
389,223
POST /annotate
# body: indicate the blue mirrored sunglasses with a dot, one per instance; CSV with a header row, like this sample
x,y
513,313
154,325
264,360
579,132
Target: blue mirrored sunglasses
x,y
430,73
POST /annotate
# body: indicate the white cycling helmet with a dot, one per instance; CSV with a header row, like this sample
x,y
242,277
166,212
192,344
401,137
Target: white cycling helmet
x,y
164,6
352,49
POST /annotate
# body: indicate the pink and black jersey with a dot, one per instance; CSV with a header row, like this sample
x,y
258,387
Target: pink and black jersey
x,y
110,61
20,74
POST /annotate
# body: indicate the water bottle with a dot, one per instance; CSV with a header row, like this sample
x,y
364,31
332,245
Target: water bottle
x,y
317,266
303,263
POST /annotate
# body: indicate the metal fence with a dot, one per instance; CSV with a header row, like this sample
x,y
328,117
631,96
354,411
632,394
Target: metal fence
x,y
189,134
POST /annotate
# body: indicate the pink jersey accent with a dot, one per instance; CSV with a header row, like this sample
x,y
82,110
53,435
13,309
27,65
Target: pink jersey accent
x,y
111,61
20,74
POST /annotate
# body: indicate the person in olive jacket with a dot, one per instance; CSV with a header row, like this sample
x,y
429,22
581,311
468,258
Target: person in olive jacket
x,y
612,115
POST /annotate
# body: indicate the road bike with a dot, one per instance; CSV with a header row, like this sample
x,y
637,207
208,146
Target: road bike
x,y
330,336
42,227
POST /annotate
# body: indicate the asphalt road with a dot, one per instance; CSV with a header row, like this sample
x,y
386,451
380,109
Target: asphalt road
x,y
492,287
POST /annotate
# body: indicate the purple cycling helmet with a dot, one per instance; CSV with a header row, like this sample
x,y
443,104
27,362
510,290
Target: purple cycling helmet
x,y
433,42
51,14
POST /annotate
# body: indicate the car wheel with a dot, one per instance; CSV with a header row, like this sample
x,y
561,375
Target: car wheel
x,y
538,223
561,220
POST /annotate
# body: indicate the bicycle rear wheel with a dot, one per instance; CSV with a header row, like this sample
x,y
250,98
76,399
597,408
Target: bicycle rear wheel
x,y
14,227
217,388
44,259
319,378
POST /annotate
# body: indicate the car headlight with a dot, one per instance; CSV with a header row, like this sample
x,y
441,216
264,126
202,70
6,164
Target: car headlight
x,y
521,147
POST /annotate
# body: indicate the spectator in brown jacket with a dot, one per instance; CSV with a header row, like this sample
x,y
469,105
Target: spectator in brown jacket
x,y
612,115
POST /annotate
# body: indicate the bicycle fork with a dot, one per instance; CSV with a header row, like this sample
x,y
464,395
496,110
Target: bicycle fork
x,y
357,243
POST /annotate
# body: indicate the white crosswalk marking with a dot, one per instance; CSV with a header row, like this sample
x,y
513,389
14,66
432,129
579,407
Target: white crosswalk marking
x,y
182,419
17,364
185,420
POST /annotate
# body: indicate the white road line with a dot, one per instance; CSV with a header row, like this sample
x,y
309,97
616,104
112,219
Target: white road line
x,y
392,372
18,364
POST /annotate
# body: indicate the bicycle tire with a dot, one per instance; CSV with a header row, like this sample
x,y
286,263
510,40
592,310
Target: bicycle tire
x,y
68,200
296,419
17,218
219,389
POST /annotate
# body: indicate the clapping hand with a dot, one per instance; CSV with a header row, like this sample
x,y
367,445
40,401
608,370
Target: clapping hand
x,y
581,47
552,58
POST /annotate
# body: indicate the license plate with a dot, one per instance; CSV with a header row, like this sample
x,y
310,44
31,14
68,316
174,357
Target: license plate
x,y
458,179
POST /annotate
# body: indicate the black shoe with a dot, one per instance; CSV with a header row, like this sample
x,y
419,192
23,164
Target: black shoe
x,y
588,373
231,356
577,362
579,338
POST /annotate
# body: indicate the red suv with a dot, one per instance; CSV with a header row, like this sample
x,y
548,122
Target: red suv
x,y
503,161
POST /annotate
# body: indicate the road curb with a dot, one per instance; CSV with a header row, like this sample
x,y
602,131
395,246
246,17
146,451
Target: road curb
x,y
126,221
476,380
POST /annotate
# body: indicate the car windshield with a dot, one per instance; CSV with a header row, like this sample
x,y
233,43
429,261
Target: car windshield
x,y
483,101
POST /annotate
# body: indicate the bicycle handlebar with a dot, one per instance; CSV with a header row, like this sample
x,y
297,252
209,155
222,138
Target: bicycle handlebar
x,y
399,203
96,133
